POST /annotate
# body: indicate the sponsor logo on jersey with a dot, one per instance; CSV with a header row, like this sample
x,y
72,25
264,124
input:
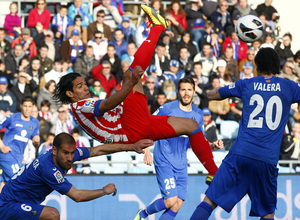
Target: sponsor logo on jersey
x,y
231,86
89,102
19,125
80,152
36,164
59,177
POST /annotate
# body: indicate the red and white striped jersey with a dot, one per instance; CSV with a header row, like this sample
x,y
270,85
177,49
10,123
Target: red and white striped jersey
x,y
103,128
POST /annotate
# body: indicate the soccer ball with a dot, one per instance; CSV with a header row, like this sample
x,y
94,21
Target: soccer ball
x,y
249,28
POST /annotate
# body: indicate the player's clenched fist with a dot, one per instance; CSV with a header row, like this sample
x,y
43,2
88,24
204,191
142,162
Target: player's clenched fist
x,y
110,188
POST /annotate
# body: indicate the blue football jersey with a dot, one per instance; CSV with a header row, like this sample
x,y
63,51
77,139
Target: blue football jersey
x,y
173,150
34,181
266,106
18,132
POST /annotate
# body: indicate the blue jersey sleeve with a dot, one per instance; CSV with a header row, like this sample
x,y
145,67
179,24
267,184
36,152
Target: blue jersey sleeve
x,y
5,122
234,89
81,153
96,110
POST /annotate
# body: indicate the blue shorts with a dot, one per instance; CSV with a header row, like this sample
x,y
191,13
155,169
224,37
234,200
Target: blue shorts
x,y
172,183
10,165
240,175
19,211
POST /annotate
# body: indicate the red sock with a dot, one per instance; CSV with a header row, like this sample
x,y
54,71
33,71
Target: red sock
x,y
143,55
201,148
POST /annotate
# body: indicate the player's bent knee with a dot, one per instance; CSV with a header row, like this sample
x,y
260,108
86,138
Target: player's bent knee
x,y
49,213
170,202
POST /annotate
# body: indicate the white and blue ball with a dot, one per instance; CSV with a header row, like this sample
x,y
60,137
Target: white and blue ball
x,y
249,28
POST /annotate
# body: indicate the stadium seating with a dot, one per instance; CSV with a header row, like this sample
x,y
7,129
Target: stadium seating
x,y
121,160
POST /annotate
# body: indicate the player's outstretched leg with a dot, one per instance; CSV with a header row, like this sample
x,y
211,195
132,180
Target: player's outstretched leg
x,y
143,55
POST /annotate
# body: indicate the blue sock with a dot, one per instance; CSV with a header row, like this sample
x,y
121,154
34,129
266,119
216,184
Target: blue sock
x,y
266,218
169,214
143,214
202,212
156,206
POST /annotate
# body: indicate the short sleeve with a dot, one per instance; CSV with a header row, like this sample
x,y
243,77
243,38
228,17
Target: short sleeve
x,y
234,89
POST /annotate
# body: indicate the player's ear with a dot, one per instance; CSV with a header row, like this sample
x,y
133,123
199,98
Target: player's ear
x,y
69,93
54,150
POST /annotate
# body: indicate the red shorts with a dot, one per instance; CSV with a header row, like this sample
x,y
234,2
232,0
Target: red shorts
x,y
138,124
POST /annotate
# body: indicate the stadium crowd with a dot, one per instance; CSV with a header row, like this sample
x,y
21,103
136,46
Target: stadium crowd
x,y
100,44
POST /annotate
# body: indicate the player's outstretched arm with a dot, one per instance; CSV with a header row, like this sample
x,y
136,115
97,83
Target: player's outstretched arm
x,y
119,96
113,148
87,195
214,94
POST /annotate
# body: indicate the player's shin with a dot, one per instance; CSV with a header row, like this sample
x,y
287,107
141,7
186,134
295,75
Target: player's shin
x,y
143,55
202,150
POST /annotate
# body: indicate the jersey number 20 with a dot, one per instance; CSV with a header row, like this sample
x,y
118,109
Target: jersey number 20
x,y
258,123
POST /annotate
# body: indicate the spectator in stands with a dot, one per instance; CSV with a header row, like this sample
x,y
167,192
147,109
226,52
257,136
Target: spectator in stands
x,y
270,12
99,25
47,145
158,79
4,43
97,90
176,14
218,108
186,41
85,63
45,126
151,92
46,94
222,73
12,23
55,73
99,44
103,73
174,73
62,122
267,28
72,47
232,65
46,62
161,99
128,29
250,58
23,89
171,47
114,61
131,49
290,146
142,32
8,102
214,40
67,66
39,18
45,109
268,41
196,21
185,63
236,107
247,71
119,42
209,126
82,9
12,60
197,96
209,62
60,24
297,58
36,73
78,26
27,43
222,19
242,9
241,47
283,48
112,15
169,89
197,71
159,59
288,71
53,46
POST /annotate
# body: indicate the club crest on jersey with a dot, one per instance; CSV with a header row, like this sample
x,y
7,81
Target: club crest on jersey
x,y
59,177
231,86
34,212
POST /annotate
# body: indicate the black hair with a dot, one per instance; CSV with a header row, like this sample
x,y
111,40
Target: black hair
x,y
75,131
28,99
63,138
197,63
186,80
44,46
65,84
267,61
45,102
